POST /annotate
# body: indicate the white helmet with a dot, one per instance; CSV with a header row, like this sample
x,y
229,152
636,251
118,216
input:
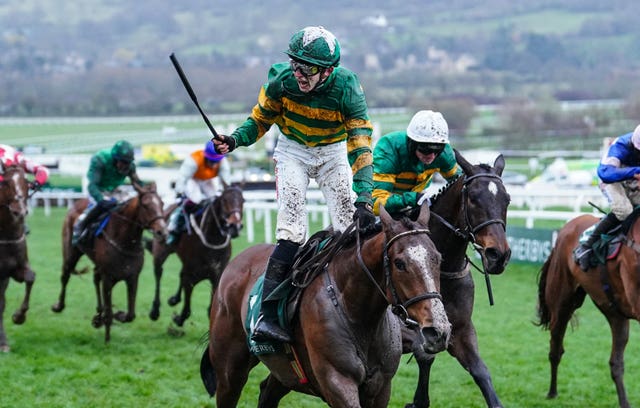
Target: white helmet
x,y
635,139
428,126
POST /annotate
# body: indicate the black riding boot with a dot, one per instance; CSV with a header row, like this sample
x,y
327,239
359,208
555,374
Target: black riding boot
x,y
79,229
583,251
267,327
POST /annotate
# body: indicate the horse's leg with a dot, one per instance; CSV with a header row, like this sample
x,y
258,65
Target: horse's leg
x,y
187,287
68,265
421,396
175,299
271,392
411,344
561,306
98,319
160,254
459,295
620,336
107,314
20,314
4,345
229,355
132,290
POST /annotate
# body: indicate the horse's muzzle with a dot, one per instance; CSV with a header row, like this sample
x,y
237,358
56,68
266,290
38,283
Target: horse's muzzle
x,y
434,339
495,261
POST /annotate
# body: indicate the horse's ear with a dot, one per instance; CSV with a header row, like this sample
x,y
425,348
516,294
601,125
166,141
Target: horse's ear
x,y
466,166
224,183
498,165
425,214
385,218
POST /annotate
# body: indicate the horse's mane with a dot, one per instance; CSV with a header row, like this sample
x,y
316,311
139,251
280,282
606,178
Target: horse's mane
x,y
445,188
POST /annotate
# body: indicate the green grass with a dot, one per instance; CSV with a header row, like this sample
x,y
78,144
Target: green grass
x,y
60,360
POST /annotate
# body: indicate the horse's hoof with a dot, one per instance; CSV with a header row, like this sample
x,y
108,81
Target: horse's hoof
x,y
173,301
5,348
124,317
19,318
57,308
154,315
178,320
97,321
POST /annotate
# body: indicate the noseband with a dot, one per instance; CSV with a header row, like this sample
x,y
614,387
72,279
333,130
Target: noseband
x,y
398,307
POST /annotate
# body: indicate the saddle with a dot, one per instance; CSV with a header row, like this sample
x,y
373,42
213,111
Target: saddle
x,y
311,259
92,230
609,244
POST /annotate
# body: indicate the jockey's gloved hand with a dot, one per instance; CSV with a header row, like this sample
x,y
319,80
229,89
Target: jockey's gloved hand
x,y
364,216
107,204
225,140
34,185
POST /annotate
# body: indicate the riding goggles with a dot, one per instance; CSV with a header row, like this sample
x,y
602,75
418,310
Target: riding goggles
x,y
305,69
429,148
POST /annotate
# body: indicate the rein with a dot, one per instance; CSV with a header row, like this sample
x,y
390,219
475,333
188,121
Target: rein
x,y
397,306
198,227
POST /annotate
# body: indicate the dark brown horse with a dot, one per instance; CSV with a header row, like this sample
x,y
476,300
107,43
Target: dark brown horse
x,y
613,287
14,260
471,210
117,252
204,252
347,344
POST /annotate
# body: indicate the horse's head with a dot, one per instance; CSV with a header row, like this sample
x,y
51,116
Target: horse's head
x,y
412,269
14,191
484,208
229,207
150,214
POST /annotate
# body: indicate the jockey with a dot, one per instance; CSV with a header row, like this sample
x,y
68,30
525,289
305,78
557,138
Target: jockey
x,y
404,162
321,112
9,156
619,171
108,170
199,178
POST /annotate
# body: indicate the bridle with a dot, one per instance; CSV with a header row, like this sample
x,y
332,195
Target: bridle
x,y
469,231
398,307
221,224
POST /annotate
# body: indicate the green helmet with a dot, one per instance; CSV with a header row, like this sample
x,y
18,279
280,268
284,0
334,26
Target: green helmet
x,y
315,45
122,151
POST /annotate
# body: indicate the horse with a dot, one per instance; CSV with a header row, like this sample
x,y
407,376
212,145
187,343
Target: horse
x,y
14,259
347,344
204,252
614,287
117,252
470,210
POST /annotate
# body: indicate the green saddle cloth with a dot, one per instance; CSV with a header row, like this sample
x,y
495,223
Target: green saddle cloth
x,y
253,311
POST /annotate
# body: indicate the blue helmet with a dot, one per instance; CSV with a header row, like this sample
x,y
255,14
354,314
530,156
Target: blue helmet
x,y
210,152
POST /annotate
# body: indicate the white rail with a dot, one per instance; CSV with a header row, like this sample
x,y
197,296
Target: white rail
x,y
260,206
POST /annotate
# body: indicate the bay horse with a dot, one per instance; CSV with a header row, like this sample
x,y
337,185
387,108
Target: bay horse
x,y
204,252
470,210
117,252
347,343
614,288
14,259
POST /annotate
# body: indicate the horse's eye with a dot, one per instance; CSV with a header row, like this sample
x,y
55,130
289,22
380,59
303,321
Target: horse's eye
x,y
399,264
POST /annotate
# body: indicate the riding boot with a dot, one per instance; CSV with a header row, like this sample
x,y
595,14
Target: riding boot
x,y
583,252
176,224
79,229
267,326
